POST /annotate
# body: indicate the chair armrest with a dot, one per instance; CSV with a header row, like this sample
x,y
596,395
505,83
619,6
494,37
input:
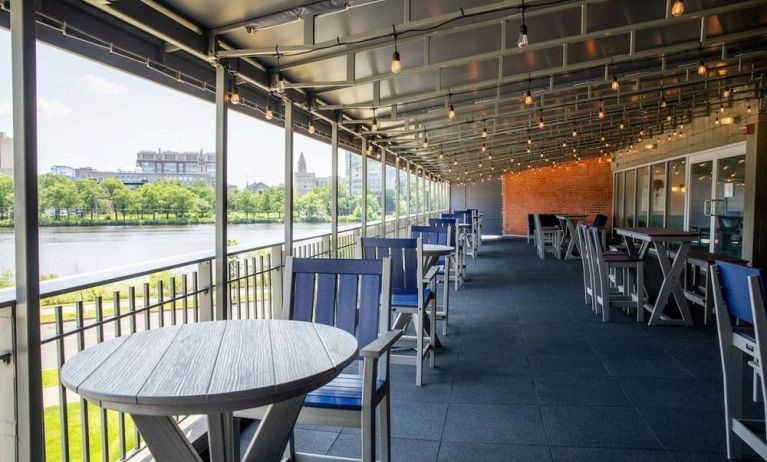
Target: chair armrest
x,y
381,345
430,274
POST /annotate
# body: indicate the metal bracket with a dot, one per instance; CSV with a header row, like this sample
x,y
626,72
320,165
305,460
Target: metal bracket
x,y
5,357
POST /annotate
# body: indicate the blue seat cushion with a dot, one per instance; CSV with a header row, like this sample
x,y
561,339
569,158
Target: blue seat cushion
x,y
343,392
409,299
441,261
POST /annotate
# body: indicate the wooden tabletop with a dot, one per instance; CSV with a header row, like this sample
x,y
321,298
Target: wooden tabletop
x,y
658,234
204,367
436,249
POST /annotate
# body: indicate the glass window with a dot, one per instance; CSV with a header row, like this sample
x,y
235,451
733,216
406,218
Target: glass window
x,y
677,191
630,198
374,194
643,199
391,185
658,195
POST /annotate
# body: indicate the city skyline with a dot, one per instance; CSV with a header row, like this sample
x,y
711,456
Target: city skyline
x,y
92,115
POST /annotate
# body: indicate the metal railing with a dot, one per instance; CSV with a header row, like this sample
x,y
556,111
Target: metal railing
x,y
84,310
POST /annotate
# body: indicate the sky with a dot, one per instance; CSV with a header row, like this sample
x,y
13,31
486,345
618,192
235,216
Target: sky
x,y
92,115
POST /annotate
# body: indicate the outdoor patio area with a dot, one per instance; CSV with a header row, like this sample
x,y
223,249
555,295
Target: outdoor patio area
x,y
529,373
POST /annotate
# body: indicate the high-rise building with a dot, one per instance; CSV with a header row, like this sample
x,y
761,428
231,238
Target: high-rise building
x,y
6,153
353,164
175,163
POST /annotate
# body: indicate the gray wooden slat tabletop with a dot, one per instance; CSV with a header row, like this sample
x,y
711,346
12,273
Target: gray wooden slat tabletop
x,y
205,367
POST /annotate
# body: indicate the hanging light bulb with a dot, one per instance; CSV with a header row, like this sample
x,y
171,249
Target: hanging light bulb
x,y
451,113
601,111
268,113
490,156
541,124
425,141
234,97
455,161
668,118
374,124
677,9
370,148
484,148
441,155
615,85
564,144
748,109
575,132
522,42
396,64
529,141
716,121
312,128
721,108
663,103
621,126
702,69
484,132
528,98
726,93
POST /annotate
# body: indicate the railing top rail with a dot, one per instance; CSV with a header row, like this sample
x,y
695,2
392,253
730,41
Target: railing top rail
x,y
74,283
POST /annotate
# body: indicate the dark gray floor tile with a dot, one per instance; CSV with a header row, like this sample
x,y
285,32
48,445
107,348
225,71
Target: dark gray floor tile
x,y
608,427
579,391
637,365
484,423
493,389
576,344
700,430
491,365
701,457
570,454
566,364
482,452
670,393
314,442
417,420
349,445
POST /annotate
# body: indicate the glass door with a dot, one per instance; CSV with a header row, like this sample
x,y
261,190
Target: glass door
x,y
701,193
727,208
716,183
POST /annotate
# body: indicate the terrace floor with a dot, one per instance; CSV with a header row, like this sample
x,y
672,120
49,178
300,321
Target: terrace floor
x,y
529,373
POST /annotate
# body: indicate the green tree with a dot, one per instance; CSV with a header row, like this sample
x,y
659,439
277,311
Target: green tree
x,y
58,193
91,193
6,195
117,193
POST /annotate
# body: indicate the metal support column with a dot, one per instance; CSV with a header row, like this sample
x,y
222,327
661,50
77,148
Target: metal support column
x,y
364,198
409,197
288,179
397,211
29,400
222,126
383,192
334,189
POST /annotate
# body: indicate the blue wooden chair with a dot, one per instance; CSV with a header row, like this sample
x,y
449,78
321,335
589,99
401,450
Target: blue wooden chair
x,y
588,265
462,235
471,233
739,294
353,295
450,223
438,235
411,293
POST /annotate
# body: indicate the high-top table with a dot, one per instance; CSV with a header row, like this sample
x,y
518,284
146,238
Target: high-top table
x,y
672,271
212,368
571,221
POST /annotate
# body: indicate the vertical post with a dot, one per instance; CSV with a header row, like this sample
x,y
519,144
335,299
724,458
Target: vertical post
x,y
364,198
29,412
334,189
288,179
383,192
409,196
222,263
397,210
205,299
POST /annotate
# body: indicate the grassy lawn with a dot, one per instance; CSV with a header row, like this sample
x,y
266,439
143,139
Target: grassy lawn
x,y
50,378
53,433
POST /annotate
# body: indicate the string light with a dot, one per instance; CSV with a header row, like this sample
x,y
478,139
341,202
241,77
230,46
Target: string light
x,y
677,9
312,128
451,112
528,98
702,69
541,124
396,63
268,112
726,92
575,132
425,141
522,41
484,132
622,126
374,124
601,111
234,98
529,141
484,148
280,84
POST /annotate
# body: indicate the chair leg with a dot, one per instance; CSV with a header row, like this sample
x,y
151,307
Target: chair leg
x,y
640,291
419,346
446,298
385,424
605,299
368,434
733,398
433,331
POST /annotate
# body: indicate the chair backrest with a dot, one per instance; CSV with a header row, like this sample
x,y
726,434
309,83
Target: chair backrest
x,y
353,295
449,223
439,235
548,219
530,223
600,221
734,286
406,260
458,217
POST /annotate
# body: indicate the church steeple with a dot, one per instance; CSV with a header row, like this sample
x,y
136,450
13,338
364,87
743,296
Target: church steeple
x,y
301,163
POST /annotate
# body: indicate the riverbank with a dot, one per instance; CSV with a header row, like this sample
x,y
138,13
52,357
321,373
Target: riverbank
x,y
47,222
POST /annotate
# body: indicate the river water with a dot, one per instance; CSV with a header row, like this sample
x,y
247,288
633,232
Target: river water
x,y
75,250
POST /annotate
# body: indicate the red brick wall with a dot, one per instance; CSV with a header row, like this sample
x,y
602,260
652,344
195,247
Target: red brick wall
x,y
584,188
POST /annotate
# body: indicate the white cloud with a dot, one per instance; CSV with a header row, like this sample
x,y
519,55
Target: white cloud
x,y
98,84
51,107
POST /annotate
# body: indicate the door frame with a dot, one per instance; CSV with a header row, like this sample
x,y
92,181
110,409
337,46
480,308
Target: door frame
x,y
713,155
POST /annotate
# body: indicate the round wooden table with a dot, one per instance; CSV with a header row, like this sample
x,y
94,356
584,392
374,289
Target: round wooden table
x,y
212,368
